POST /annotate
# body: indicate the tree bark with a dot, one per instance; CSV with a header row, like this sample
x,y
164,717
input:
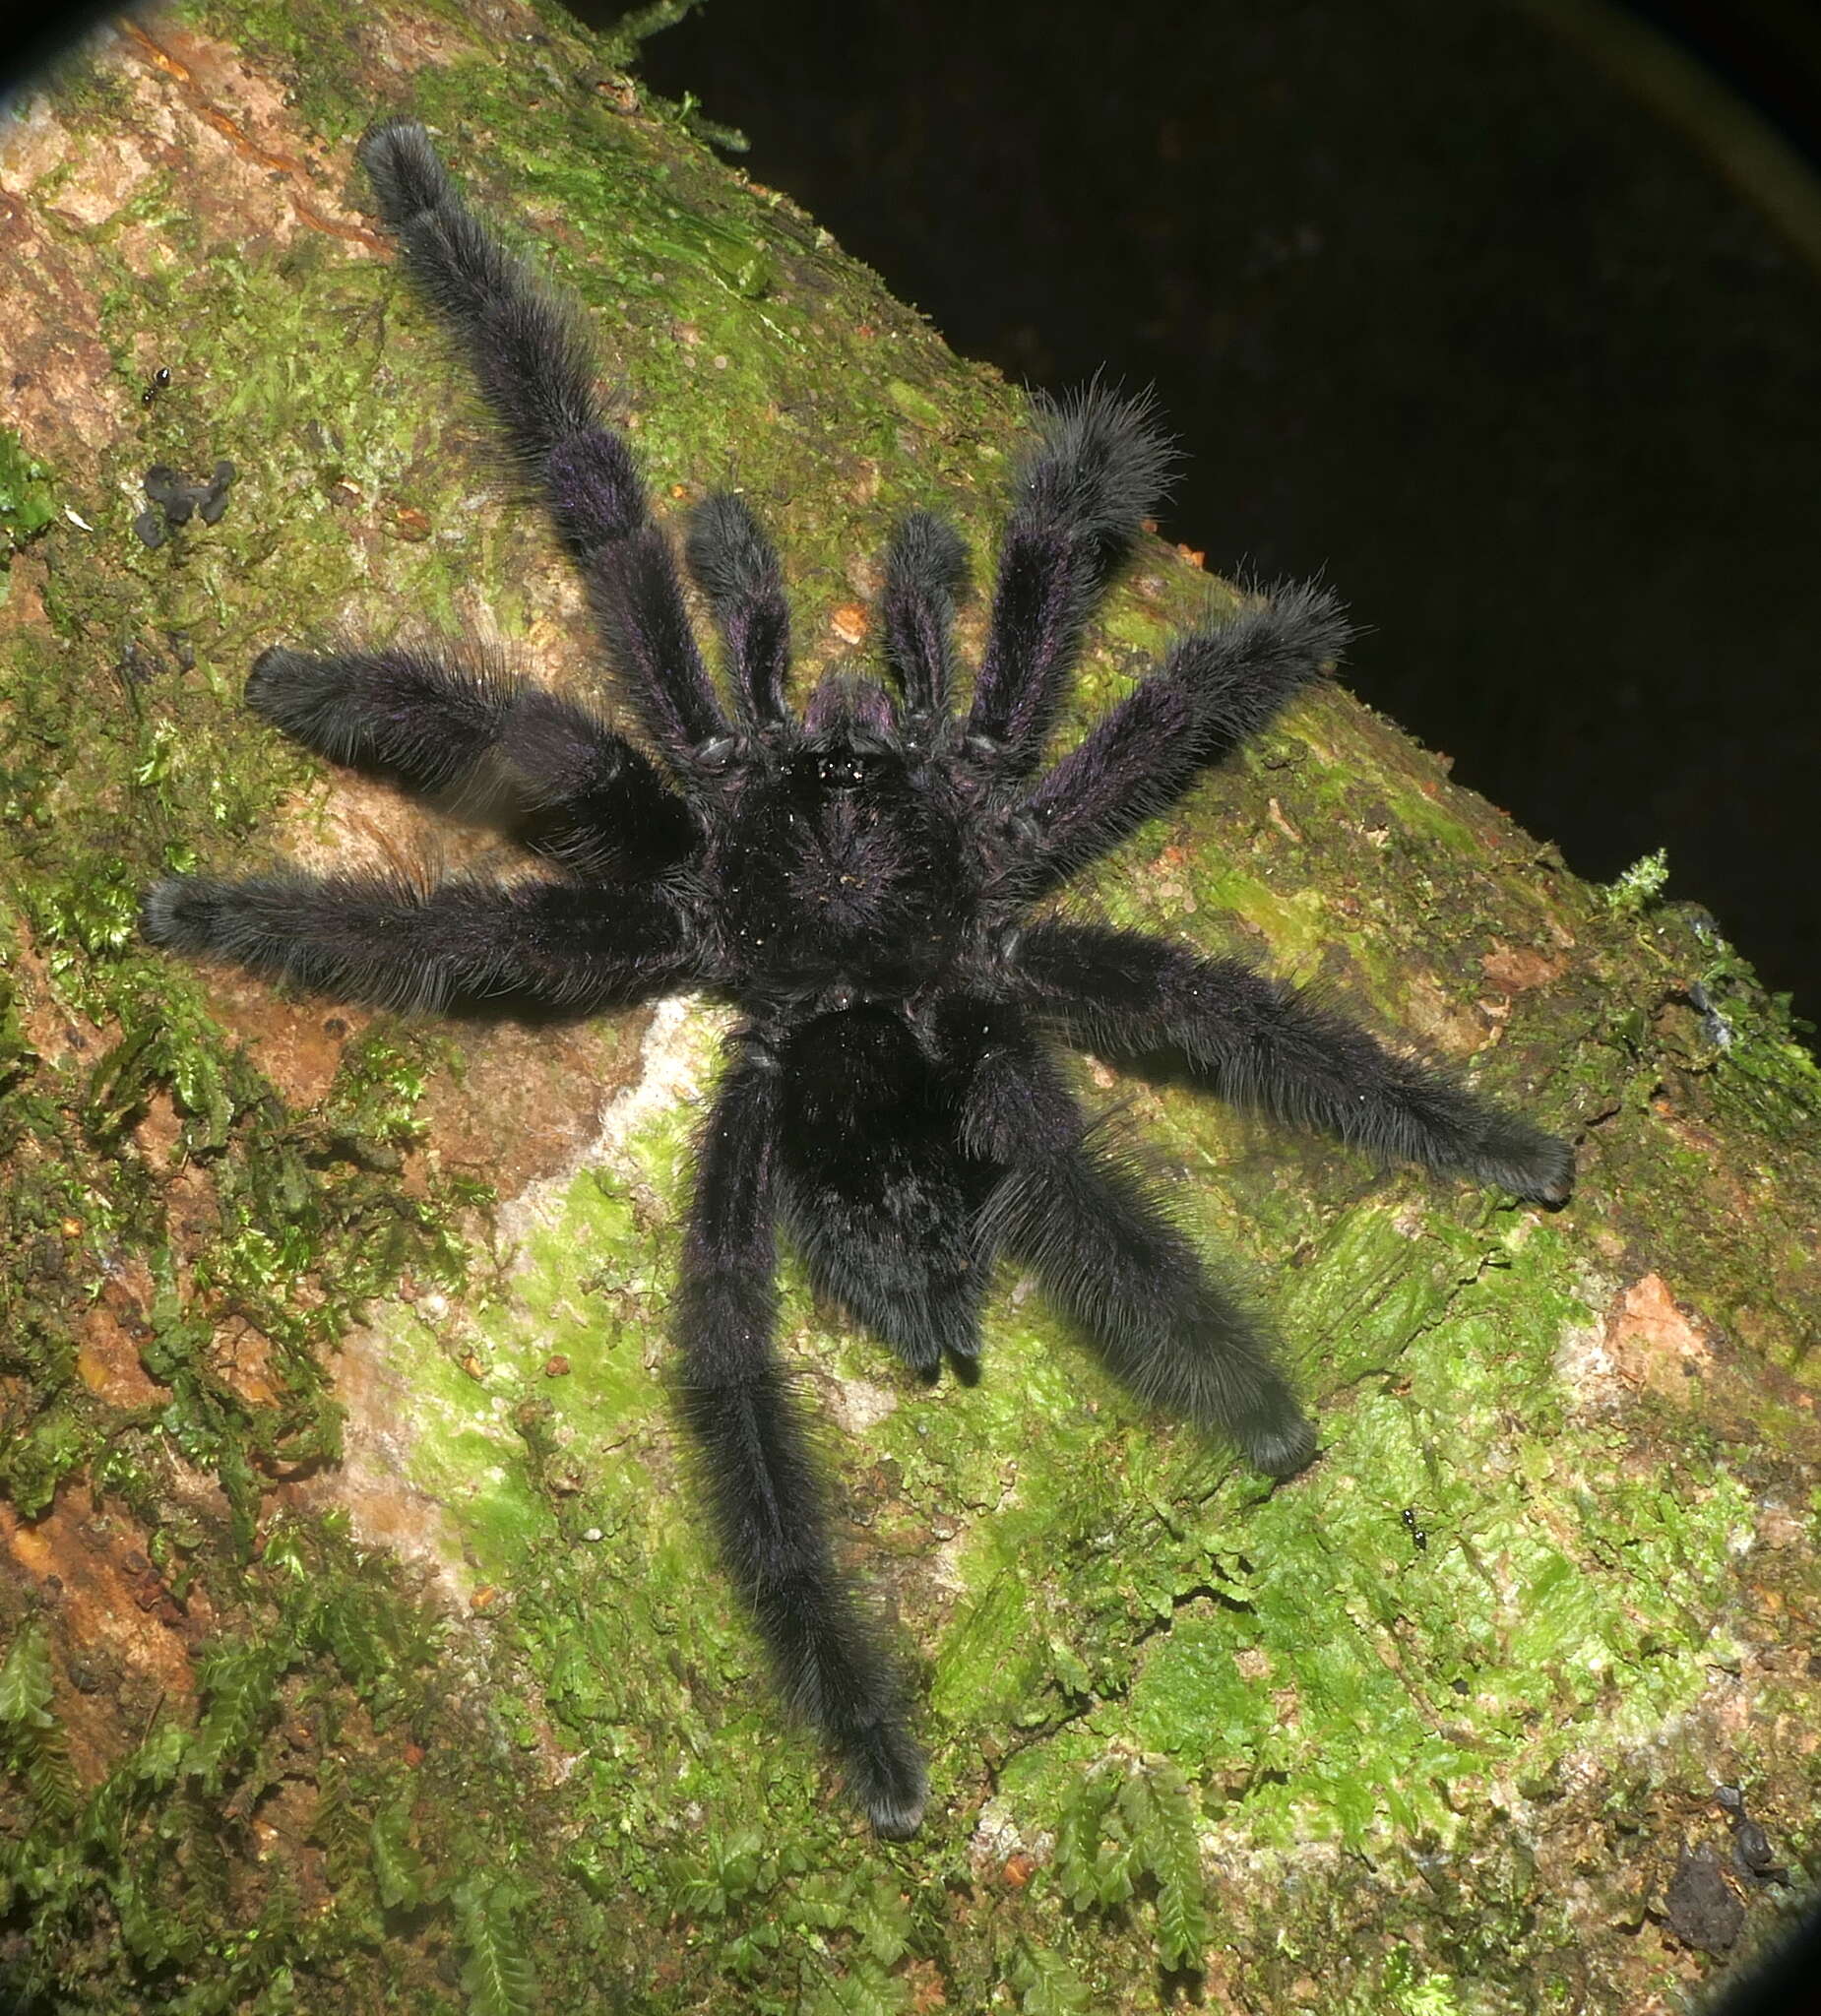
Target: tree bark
x,y
361,1645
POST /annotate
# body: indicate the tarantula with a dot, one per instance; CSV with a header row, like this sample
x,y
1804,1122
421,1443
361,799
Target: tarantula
x,y
858,882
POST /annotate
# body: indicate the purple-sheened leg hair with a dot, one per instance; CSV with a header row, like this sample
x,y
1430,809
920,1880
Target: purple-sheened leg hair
x,y
1215,691
382,941
535,370
1256,1040
547,772
1107,1256
1098,468
755,1460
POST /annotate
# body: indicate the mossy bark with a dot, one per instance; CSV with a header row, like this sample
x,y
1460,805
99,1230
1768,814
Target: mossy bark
x,y
358,1645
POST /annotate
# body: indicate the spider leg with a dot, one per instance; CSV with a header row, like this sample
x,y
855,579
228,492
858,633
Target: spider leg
x,y
766,1497
546,771
536,373
926,577
1215,692
1259,1041
1095,473
735,566
875,1192
1101,1249
379,940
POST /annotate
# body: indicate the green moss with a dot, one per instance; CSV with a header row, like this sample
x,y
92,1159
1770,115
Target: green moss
x,y
1122,1823
1642,884
332,1672
27,504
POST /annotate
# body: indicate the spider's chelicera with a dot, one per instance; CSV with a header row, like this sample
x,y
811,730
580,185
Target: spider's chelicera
x,y
860,881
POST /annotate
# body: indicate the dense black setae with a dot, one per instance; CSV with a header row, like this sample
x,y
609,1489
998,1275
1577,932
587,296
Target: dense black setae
x,y
857,881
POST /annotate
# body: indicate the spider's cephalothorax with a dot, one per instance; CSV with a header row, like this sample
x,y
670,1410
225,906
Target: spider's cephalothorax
x,y
857,882
838,858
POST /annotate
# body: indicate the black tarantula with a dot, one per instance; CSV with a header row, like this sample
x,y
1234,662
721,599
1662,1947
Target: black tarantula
x,y
858,883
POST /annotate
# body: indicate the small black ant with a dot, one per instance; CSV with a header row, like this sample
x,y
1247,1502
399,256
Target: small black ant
x,y
1414,1530
160,379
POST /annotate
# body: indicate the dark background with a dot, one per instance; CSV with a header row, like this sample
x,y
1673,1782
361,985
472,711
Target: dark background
x,y
1442,306
1452,301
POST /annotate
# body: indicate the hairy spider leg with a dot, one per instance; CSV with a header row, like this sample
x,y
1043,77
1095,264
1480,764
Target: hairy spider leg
x,y
1097,470
536,373
766,1497
1106,1255
735,566
1214,691
876,1193
549,773
1258,1041
926,577
381,941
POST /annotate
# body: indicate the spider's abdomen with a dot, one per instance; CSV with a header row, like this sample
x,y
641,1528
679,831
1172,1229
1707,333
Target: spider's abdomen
x,y
839,870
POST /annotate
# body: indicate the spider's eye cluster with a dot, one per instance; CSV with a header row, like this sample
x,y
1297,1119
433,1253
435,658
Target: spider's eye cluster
x,y
846,770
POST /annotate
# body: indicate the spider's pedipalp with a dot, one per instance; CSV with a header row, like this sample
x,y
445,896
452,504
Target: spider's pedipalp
x,y
546,770
638,602
735,566
925,579
534,366
383,941
1259,1042
1097,472
1215,691
756,1463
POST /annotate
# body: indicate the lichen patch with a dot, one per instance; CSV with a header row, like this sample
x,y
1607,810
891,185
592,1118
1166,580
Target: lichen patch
x,y
1655,1342
1645,1342
1515,968
372,1482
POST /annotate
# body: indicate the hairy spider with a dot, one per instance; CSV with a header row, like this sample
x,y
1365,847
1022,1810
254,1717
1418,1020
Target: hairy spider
x,y
858,883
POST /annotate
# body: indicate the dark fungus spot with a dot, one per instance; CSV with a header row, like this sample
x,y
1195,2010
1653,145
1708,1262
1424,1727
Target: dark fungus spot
x,y
137,664
165,489
179,499
1754,1847
1699,1903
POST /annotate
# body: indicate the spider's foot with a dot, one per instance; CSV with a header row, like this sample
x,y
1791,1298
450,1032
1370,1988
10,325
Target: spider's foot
x,y
887,1776
403,167
182,912
297,694
1529,1163
341,707
1284,1447
274,675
